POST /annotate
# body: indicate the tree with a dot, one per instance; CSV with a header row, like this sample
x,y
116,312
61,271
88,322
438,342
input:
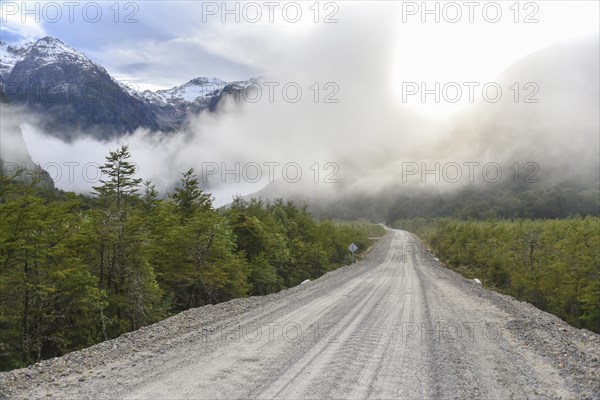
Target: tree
x,y
194,254
121,185
551,263
49,301
188,197
77,270
124,270
150,196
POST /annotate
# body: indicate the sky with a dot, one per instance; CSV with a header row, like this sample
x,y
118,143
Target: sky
x,y
375,59
139,41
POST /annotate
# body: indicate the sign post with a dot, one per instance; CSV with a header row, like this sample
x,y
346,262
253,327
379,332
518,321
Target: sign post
x,y
353,249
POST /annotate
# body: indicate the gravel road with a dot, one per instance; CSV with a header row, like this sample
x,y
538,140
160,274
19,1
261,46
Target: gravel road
x,y
396,325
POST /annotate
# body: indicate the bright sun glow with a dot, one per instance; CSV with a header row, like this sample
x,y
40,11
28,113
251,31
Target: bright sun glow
x,y
445,52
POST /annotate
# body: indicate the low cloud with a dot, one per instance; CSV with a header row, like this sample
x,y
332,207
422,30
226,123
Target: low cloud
x,y
349,121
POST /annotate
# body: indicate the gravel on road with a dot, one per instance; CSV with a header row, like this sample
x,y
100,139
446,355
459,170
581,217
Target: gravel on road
x,y
395,325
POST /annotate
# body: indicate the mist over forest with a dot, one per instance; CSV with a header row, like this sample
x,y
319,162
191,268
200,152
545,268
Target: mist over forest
x,y
152,169
544,146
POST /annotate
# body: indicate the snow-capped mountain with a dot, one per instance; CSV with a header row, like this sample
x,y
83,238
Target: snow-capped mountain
x,y
75,94
195,89
199,92
44,51
10,54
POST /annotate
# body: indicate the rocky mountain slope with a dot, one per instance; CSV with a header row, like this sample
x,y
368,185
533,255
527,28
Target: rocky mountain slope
x,y
15,160
73,94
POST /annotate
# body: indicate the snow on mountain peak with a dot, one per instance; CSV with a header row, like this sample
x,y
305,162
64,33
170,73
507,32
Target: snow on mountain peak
x,y
197,88
49,50
11,54
45,51
206,81
34,56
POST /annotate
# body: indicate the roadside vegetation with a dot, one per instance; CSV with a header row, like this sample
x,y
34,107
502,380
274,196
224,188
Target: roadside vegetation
x,y
553,264
76,270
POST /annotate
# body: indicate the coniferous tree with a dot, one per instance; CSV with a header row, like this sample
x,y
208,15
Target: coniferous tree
x,y
123,266
188,197
49,301
77,270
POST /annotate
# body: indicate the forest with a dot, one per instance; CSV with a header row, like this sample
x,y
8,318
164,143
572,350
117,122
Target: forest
x,y
553,264
77,270
479,201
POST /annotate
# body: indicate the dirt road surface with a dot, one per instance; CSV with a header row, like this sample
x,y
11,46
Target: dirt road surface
x,y
396,325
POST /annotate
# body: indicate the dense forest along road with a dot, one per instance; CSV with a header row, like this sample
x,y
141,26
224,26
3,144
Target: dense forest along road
x,y
395,325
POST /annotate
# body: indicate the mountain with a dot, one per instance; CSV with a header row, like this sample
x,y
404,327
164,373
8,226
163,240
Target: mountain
x,y
191,91
555,141
10,55
559,129
73,94
15,160
70,91
194,96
